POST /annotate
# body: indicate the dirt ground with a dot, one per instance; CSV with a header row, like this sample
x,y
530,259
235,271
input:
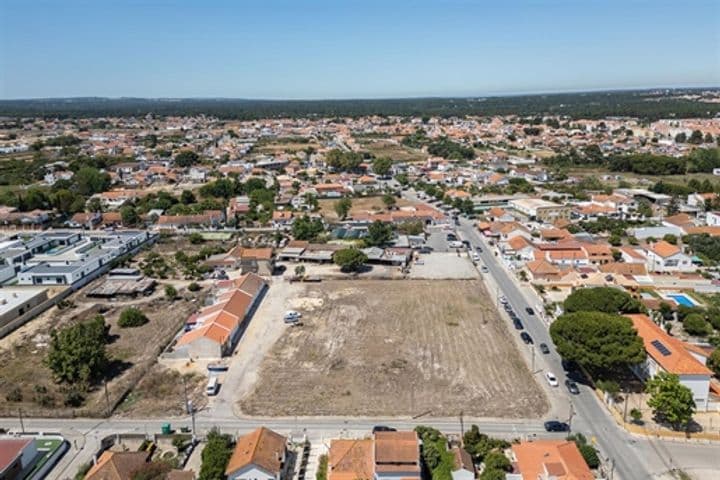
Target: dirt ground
x,y
370,347
25,382
381,147
360,205
161,392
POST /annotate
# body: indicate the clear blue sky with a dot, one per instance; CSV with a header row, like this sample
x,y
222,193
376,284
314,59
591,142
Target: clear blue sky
x,y
347,48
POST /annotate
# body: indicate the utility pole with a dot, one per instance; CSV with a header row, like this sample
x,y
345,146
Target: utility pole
x,y
625,397
22,425
572,414
462,428
192,414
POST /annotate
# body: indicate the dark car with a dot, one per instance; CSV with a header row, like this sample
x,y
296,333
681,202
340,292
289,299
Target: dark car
x,y
479,249
518,324
529,311
544,348
383,428
572,387
555,426
526,338
466,243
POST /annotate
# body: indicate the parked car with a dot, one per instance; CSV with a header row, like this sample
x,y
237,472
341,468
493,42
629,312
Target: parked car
x,y
544,348
518,324
503,300
572,387
476,256
529,311
555,426
383,428
551,379
450,237
479,249
466,243
484,269
455,244
526,338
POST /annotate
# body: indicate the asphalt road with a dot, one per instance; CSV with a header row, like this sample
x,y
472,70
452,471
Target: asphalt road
x,y
590,416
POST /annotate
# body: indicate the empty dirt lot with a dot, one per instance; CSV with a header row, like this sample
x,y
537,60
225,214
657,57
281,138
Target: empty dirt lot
x,y
372,347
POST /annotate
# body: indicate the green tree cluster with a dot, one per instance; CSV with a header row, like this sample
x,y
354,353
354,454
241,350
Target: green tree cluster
x,y
602,299
349,259
601,342
306,228
132,317
77,353
671,401
379,234
215,456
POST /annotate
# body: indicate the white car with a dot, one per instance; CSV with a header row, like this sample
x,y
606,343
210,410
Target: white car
x,y
455,244
291,316
551,379
476,256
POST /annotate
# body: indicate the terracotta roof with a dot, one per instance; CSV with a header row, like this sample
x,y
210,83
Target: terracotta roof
x,y
678,361
397,452
351,460
116,465
622,268
262,448
664,249
712,231
496,212
251,253
542,267
518,243
559,458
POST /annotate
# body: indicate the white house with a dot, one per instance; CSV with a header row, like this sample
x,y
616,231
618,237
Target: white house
x,y
259,455
668,354
712,219
665,257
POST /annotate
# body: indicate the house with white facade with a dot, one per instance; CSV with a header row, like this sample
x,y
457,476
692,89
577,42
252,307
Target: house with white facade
x,y
259,455
668,354
665,257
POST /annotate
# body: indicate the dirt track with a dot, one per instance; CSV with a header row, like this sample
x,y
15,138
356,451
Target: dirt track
x,y
396,348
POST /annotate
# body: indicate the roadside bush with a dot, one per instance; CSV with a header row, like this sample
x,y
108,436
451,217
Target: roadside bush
x,y
74,398
322,468
215,456
14,395
132,317
196,238
587,451
194,287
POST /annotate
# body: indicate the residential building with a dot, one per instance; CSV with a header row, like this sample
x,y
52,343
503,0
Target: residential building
x,y
351,460
668,354
548,460
463,465
397,455
541,210
17,455
117,465
665,257
259,455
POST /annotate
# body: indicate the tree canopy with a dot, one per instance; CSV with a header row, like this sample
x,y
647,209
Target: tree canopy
x,y
349,259
671,401
382,165
77,353
601,342
379,233
601,299
305,228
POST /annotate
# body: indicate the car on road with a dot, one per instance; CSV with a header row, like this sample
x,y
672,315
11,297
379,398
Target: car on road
x,y
383,428
450,237
479,249
484,269
518,324
551,379
455,244
544,348
503,300
555,426
476,256
529,311
526,338
466,243
572,387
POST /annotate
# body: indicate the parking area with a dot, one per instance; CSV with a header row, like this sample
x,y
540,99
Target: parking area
x,y
444,266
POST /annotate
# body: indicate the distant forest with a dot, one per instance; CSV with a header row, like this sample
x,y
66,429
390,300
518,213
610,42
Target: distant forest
x,y
646,104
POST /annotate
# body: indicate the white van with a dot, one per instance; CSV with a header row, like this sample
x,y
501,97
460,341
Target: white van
x,y
212,386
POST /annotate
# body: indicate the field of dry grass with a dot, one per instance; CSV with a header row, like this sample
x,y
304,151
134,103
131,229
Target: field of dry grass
x,y
381,147
370,347
25,382
360,205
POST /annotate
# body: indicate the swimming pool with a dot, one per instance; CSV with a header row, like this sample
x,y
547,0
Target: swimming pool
x,y
682,299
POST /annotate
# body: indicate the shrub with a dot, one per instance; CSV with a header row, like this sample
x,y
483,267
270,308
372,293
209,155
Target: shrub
x,y
194,287
322,468
170,292
132,317
196,238
695,324
14,395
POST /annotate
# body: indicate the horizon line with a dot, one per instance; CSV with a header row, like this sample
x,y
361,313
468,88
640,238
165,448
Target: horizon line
x,y
380,98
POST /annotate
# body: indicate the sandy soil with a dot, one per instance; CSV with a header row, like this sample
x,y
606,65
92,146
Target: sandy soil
x,y
395,348
360,205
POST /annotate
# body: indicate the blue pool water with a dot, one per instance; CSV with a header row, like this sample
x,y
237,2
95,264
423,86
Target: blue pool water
x,y
682,300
